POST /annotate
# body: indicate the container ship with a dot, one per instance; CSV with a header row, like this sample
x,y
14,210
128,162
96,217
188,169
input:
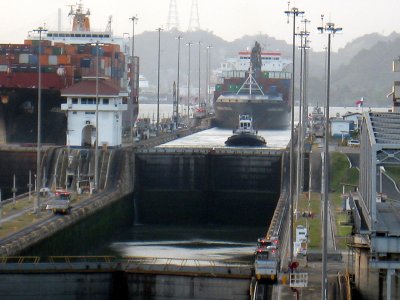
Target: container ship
x,y
254,84
65,58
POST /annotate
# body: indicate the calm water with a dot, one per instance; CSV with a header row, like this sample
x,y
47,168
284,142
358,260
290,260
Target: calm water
x,y
188,242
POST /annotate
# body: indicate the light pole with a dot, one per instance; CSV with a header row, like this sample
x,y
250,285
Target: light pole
x,y
300,132
381,170
134,20
158,79
39,122
330,28
295,12
199,73
177,88
188,89
96,150
209,47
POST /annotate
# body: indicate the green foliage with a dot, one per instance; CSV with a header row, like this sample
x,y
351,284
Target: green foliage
x,y
394,173
338,169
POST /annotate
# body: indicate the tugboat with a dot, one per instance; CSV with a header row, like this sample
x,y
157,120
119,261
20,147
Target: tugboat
x,y
245,135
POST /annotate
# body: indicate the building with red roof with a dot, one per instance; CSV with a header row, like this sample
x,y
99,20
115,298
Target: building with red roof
x,y
81,111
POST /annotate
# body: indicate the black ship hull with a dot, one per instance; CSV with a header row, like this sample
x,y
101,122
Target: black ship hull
x,y
245,139
19,116
266,114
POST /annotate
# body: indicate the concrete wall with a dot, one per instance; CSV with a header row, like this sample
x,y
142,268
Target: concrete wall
x,y
204,188
119,285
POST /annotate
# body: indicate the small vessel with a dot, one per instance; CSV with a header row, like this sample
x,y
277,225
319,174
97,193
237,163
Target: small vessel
x,y
245,135
317,120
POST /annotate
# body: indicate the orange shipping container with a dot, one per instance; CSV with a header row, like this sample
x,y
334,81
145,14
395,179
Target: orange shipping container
x,y
64,60
70,49
48,50
44,60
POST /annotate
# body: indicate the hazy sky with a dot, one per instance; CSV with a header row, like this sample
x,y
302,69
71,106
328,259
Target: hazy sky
x,y
229,19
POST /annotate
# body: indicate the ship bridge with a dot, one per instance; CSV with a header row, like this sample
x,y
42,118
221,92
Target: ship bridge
x,y
377,218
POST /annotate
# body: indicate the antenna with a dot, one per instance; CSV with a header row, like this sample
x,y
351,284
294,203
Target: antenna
x,y
109,24
173,20
194,23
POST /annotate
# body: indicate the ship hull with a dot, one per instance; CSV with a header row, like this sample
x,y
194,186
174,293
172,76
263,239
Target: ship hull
x,y
19,117
265,114
245,139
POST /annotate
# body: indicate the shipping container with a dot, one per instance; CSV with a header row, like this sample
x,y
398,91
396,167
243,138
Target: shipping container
x,y
33,59
44,60
85,63
53,60
64,59
57,51
24,58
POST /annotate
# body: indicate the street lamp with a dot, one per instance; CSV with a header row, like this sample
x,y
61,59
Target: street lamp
x,y
209,47
300,135
39,124
96,150
177,88
134,20
158,79
295,12
199,72
188,92
331,29
381,170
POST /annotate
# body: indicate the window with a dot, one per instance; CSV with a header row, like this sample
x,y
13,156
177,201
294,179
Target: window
x,y
106,101
89,112
74,100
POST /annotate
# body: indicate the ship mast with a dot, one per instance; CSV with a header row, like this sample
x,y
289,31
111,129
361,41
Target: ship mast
x,y
255,66
80,21
249,83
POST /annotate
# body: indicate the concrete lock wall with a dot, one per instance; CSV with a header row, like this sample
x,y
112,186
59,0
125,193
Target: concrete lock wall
x,y
119,285
207,187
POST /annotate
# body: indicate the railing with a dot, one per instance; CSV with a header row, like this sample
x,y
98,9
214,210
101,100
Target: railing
x,y
130,264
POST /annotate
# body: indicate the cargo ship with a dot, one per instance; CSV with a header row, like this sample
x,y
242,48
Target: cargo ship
x,y
65,58
255,84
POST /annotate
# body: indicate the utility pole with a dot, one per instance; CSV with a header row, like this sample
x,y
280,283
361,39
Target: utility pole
x,y
39,123
96,150
189,45
177,87
158,79
301,125
199,72
330,29
295,12
134,20
209,47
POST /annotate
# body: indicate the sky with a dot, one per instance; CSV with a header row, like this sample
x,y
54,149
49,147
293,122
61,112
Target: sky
x,y
228,19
